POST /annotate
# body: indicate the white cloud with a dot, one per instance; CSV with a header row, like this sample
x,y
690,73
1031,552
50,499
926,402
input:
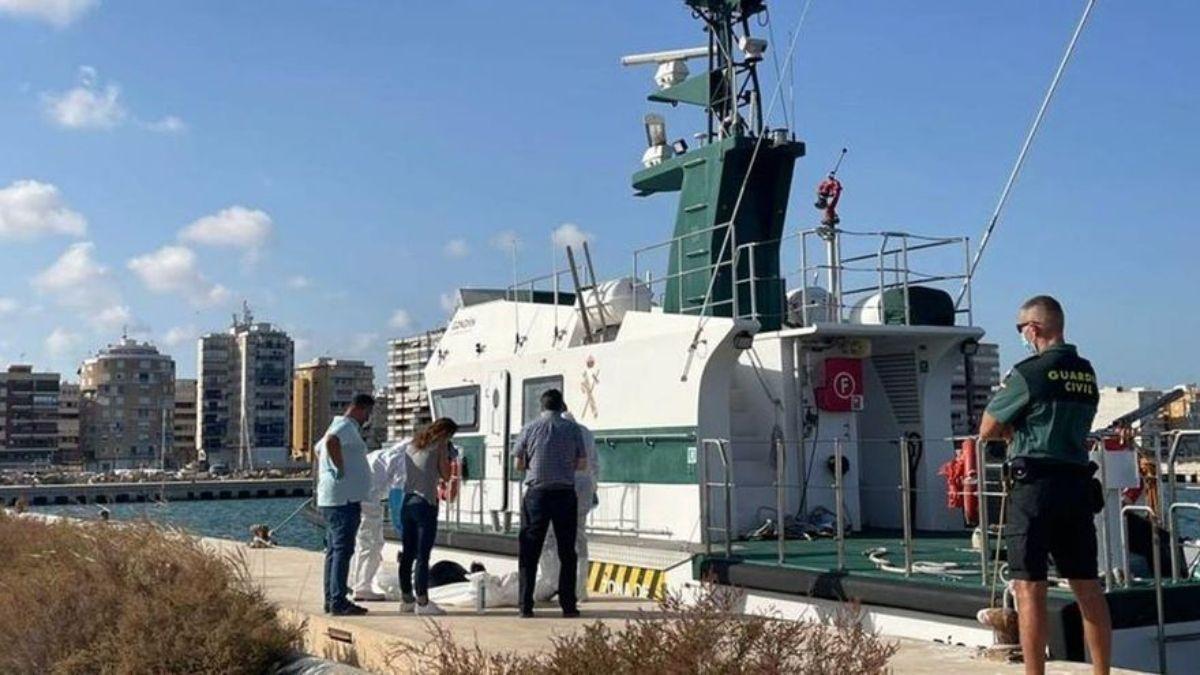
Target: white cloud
x,y
61,343
363,342
172,269
77,282
88,105
456,248
507,241
30,209
570,234
8,306
299,282
180,335
167,125
449,302
234,227
57,13
401,320
109,319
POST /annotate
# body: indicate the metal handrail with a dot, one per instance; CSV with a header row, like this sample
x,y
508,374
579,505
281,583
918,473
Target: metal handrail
x,y
1156,563
1176,436
722,445
906,504
780,499
1175,540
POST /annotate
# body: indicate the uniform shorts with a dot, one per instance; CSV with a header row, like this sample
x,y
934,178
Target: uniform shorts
x,y
1050,518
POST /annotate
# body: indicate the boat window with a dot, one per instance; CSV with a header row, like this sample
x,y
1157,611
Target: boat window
x,y
531,395
460,404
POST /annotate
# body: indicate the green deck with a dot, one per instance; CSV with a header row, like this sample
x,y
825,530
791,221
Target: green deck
x,y
820,556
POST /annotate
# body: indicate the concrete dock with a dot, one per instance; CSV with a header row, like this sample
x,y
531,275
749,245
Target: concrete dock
x,y
292,578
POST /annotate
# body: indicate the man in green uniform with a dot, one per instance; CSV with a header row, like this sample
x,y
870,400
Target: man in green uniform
x,y
1045,409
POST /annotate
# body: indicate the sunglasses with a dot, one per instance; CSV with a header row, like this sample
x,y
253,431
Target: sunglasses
x,y
1021,326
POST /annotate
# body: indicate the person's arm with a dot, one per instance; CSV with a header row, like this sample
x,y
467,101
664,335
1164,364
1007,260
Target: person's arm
x,y
521,450
1009,404
444,462
581,460
333,446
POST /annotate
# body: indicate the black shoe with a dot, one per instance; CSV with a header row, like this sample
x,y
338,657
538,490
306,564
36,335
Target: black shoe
x,y
350,609
527,614
570,614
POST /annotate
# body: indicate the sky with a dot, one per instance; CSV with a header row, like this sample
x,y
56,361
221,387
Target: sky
x,y
343,167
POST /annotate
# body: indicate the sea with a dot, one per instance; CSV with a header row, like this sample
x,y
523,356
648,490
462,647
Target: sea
x,y
232,518
223,518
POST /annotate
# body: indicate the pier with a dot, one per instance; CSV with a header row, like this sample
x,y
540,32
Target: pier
x,y
122,493
291,578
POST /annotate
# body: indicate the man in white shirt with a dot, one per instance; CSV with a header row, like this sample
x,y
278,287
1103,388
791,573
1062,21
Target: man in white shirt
x,y
387,471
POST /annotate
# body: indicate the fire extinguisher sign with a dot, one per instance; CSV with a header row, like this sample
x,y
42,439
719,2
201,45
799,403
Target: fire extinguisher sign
x,y
842,385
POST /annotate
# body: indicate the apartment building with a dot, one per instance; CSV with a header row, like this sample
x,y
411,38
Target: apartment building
x,y
127,407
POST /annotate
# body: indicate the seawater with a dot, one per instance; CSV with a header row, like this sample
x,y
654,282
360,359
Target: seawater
x,y
224,519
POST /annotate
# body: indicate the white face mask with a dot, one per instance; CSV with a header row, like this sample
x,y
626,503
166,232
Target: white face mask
x,y
1029,346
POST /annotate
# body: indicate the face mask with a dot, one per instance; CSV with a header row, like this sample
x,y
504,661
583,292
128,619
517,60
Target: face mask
x,y
1029,346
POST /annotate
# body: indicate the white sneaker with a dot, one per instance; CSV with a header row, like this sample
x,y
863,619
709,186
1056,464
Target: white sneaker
x,y
429,609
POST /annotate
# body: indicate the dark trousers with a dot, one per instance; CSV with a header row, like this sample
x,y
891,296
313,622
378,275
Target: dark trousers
x,y
418,531
341,528
540,510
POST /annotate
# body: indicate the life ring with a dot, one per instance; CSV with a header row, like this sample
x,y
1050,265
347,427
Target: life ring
x,y
970,482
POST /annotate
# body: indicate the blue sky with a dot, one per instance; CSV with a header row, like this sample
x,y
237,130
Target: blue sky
x,y
343,165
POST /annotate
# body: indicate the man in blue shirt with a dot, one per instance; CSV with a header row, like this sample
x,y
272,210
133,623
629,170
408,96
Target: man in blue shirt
x,y
343,484
550,450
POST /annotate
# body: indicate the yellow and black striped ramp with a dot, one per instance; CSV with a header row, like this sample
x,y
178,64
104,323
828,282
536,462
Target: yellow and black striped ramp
x,y
627,580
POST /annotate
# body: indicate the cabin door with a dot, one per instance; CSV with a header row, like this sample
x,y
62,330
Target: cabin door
x,y
498,411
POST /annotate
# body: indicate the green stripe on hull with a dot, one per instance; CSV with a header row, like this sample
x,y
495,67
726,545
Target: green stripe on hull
x,y
663,455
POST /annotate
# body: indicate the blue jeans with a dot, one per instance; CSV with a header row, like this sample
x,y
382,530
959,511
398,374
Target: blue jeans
x,y
341,528
418,532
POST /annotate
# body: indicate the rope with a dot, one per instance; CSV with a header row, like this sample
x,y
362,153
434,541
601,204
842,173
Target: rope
x,y
1016,170
285,521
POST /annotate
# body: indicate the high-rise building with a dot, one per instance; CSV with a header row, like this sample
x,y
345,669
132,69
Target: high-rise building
x,y
185,421
245,391
377,434
321,389
28,417
408,402
69,450
985,377
127,406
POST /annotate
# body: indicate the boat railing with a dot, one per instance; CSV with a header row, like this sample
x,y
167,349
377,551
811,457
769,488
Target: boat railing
x,y
883,261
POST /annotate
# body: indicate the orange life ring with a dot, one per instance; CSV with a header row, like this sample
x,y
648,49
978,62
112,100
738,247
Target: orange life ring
x,y
971,482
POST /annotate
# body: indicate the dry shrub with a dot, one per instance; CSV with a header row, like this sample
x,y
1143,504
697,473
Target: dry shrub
x,y
130,598
706,636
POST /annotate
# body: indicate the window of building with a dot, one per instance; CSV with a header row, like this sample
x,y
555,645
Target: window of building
x,y
531,395
460,404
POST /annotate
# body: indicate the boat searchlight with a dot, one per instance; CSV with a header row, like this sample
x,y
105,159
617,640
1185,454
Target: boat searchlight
x,y
656,138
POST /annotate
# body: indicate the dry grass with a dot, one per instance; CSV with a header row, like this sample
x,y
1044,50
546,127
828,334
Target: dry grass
x,y
103,598
707,636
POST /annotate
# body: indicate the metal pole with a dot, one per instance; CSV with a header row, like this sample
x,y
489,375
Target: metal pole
x,y
904,266
804,281
906,505
1105,538
724,446
837,493
981,481
1155,554
706,534
780,498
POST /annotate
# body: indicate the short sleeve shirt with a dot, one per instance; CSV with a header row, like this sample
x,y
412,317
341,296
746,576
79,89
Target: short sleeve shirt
x,y
355,482
1050,402
550,446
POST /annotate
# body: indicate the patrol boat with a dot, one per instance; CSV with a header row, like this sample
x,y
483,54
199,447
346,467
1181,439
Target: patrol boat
x,y
771,405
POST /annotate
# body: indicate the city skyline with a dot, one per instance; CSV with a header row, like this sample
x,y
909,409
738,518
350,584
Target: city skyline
x,y
153,181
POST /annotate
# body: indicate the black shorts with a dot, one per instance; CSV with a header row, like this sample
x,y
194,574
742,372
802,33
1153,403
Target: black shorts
x,y
1051,517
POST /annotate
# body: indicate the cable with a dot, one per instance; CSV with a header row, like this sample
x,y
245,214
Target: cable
x,y
1033,129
